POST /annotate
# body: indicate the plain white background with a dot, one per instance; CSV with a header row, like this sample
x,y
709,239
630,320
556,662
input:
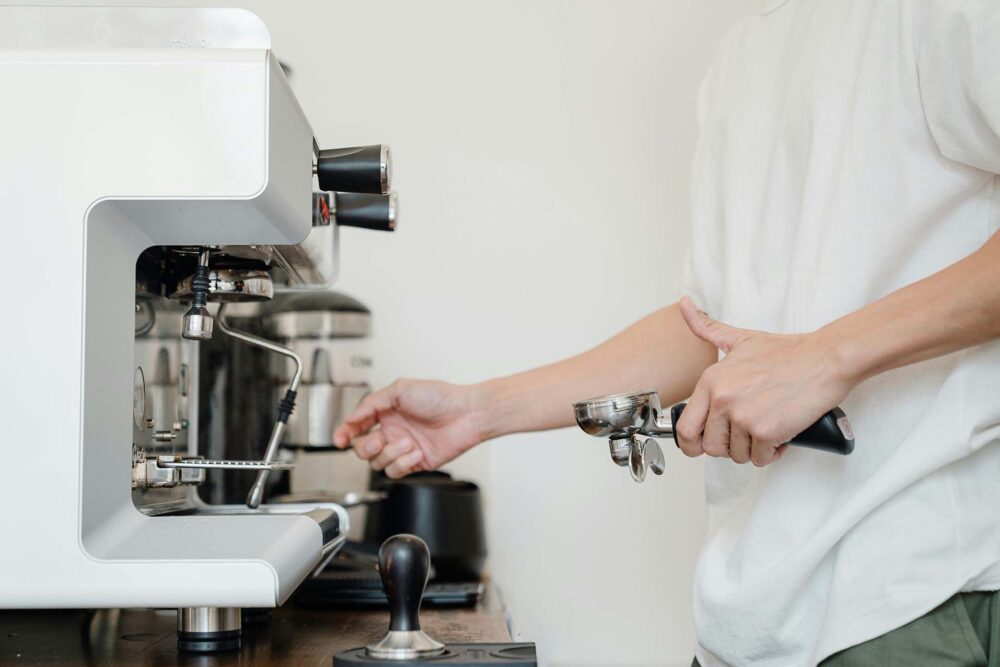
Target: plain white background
x,y
542,152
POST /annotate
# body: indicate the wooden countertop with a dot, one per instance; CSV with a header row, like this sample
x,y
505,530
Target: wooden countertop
x,y
293,636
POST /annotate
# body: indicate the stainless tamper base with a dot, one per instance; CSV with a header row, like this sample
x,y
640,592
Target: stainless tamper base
x,y
405,645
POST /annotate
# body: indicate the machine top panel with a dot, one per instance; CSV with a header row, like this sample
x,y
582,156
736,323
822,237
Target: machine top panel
x,y
98,28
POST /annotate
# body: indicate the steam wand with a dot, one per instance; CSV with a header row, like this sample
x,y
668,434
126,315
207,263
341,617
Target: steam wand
x,y
285,406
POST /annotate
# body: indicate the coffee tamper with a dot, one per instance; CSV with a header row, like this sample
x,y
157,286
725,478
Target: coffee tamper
x,y
404,562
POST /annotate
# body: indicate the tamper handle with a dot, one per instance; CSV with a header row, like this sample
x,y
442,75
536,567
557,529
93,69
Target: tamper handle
x,y
404,562
831,433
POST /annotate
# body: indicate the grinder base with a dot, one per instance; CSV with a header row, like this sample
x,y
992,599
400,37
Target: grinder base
x,y
455,655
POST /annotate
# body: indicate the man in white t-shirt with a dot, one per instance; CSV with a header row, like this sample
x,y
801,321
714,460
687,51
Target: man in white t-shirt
x,y
845,199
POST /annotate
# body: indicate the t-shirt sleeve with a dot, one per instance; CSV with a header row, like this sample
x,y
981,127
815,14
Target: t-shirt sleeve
x,y
957,46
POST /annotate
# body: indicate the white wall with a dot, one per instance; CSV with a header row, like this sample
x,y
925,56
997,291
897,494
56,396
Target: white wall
x,y
542,155
542,151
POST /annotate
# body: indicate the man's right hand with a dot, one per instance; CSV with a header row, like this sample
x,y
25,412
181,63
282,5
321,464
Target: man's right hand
x,y
414,425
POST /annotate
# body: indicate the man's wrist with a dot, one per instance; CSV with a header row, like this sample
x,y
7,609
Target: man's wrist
x,y
485,409
502,406
847,351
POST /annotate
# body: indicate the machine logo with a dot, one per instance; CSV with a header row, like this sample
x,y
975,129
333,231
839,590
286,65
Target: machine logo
x,y
102,31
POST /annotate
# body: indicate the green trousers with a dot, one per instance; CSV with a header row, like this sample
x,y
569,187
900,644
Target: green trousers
x,y
962,632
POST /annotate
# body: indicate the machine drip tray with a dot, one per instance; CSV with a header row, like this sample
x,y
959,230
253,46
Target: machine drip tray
x,y
330,517
455,655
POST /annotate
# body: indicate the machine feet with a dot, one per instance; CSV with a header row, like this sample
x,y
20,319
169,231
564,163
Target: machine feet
x,y
209,629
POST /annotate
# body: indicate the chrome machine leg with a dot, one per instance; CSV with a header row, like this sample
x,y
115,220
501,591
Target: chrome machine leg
x,y
208,629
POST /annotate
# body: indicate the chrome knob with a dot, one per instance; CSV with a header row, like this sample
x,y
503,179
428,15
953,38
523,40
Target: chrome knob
x,y
198,324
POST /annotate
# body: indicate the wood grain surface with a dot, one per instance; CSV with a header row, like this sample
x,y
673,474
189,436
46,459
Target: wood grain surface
x,y
293,636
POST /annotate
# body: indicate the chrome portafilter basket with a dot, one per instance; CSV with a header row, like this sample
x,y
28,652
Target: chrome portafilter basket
x,y
622,418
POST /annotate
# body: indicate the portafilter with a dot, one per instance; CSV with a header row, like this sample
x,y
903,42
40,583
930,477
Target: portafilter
x,y
622,418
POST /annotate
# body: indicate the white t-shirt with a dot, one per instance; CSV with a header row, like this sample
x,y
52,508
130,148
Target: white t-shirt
x,y
849,148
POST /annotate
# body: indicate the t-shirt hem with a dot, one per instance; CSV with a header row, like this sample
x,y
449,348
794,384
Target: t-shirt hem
x,y
875,624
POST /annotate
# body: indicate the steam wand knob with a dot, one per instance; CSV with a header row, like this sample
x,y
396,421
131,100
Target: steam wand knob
x,y
404,562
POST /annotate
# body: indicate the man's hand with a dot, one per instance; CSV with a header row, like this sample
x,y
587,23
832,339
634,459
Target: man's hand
x,y
413,425
767,389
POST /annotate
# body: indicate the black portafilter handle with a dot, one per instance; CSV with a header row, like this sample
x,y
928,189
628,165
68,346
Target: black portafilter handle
x,y
404,562
363,169
831,433
376,212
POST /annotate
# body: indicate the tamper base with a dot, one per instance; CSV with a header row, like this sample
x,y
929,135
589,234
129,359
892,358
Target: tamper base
x,y
405,645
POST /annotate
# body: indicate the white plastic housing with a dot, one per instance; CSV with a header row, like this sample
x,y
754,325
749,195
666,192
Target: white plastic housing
x,y
122,129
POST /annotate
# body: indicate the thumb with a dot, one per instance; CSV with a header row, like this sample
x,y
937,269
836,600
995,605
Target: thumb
x,y
711,331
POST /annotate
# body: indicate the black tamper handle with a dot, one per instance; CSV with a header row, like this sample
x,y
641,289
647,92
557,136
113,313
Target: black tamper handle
x,y
831,433
366,211
366,169
404,562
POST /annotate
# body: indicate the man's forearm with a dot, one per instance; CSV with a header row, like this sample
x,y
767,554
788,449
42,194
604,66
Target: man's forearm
x,y
953,309
658,351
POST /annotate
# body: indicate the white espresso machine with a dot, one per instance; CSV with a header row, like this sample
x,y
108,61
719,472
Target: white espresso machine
x,y
154,165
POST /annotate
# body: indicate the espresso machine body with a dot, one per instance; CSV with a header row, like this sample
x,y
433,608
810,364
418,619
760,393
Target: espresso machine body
x,y
140,145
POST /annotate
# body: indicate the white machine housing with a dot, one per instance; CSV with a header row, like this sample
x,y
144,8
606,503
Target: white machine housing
x,y
122,129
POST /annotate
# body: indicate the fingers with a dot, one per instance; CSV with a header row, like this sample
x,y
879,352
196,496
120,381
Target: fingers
x,y
365,416
689,427
397,458
763,453
390,453
711,331
370,445
404,465
715,440
739,443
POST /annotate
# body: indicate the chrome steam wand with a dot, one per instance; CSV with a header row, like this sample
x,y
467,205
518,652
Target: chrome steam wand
x,y
285,407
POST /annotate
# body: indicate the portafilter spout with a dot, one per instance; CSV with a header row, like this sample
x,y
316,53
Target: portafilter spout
x,y
623,417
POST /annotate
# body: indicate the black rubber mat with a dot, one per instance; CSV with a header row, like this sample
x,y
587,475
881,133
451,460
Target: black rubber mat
x,y
455,655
